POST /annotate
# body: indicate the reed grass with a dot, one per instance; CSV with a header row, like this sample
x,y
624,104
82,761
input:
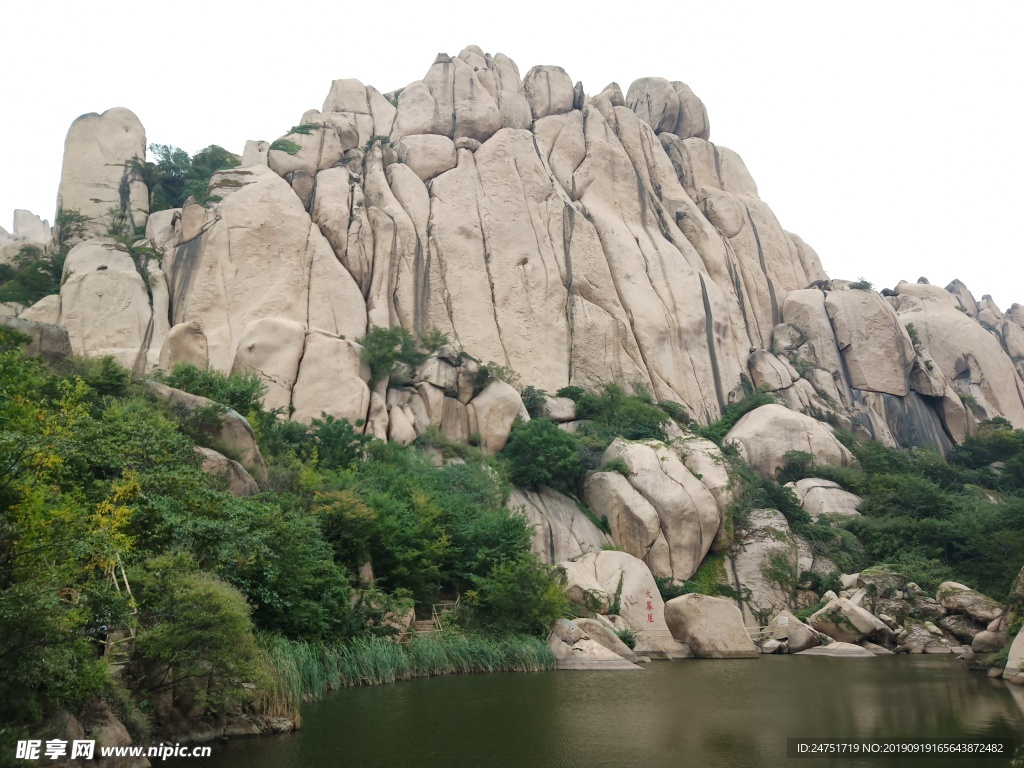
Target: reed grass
x,y
302,671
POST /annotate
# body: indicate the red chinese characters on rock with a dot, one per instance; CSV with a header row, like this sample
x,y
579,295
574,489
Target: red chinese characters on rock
x,y
650,607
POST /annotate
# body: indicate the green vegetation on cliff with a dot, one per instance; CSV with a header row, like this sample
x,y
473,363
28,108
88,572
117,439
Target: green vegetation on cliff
x,y
934,519
111,529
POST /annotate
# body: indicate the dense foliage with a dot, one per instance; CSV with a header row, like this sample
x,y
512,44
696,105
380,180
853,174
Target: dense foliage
x,y
933,519
175,176
101,491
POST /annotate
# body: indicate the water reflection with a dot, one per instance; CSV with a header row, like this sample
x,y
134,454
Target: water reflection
x,y
702,713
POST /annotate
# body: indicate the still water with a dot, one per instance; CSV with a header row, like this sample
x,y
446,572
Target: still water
x,y
718,714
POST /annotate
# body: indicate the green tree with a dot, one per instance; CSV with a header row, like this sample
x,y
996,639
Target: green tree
x,y
539,453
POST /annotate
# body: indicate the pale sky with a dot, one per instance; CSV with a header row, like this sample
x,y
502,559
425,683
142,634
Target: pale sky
x,y
888,135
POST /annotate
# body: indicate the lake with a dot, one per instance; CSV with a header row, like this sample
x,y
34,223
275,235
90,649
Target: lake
x,y
715,714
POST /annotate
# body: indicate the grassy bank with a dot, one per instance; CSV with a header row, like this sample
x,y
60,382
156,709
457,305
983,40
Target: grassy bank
x,y
304,671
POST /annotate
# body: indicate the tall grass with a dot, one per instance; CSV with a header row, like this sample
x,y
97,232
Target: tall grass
x,y
302,671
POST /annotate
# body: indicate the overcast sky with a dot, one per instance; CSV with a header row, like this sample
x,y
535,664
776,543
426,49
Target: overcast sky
x,y
887,134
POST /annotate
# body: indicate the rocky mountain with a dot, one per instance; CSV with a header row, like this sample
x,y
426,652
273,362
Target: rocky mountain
x,y
575,239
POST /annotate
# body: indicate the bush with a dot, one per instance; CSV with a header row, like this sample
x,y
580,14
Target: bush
x,y
519,596
613,413
384,347
285,145
175,176
573,393
491,371
539,453
433,340
675,410
733,412
615,465
533,400
862,285
32,276
193,627
627,636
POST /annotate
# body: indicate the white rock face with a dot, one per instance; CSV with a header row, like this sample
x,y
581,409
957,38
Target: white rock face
x,y
825,497
560,530
104,303
764,435
332,379
260,258
711,626
96,175
600,576
237,481
875,347
660,512
765,561
964,351
184,343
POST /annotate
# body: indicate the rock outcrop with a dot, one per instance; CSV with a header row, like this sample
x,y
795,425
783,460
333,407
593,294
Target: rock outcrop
x,y
711,626
607,580
766,434
98,180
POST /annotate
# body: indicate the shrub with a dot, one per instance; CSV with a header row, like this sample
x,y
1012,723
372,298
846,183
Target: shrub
x,y
627,636
384,347
613,413
733,412
915,338
533,399
519,596
491,371
284,145
676,410
862,285
615,465
573,393
303,130
175,176
433,340
797,465
539,453
193,627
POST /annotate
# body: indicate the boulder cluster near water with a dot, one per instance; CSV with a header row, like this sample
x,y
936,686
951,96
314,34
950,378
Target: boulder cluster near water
x,y
577,238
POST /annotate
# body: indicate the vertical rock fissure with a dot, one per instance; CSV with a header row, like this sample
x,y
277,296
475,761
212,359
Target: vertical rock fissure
x,y
708,323
487,263
764,268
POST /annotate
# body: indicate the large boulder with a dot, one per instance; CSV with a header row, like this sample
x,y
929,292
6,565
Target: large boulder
x,y
765,561
821,497
764,435
574,648
964,352
876,349
97,171
1013,672
711,626
492,413
605,636
840,650
45,340
332,379
237,481
686,516
271,348
846,622
798,636
104,302
258,256
184,343
230,431
560,530
603,581
958,598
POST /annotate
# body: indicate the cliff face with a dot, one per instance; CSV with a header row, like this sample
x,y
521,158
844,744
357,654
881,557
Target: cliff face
x,y
576,239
